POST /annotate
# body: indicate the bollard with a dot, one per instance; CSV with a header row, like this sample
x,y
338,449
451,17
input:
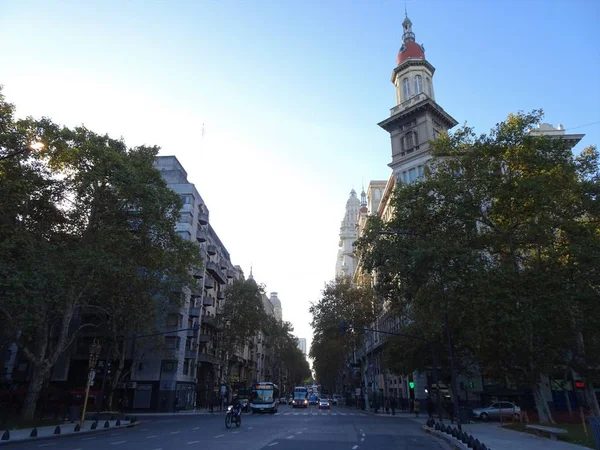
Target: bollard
x,y
94,425
6,435
477,445
437,426
33,433
470,441
483,447
77,428
106,424
57,429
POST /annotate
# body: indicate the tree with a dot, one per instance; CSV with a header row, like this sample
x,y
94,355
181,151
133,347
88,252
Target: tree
x,y
480,242
76,217
240,316
340,301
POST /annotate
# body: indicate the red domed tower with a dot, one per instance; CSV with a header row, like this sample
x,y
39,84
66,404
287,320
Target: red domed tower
x,y
417,118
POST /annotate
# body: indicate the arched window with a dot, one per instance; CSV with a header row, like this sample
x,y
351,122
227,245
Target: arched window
x,y
418,84
411,139
429,92
406,87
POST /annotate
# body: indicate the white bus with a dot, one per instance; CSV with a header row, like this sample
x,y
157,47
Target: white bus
x,y
264,398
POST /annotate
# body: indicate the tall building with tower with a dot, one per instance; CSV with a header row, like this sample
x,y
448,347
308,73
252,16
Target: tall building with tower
x,y
346,262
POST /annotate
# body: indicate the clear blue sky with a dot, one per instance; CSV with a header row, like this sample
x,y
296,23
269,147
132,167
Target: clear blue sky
x,y
290,94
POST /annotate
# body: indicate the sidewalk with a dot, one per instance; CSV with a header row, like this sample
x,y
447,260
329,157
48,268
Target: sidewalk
x,y
497,438
186,412
67,429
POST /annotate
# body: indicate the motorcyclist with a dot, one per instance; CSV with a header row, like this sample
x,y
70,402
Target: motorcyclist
x,y
235,402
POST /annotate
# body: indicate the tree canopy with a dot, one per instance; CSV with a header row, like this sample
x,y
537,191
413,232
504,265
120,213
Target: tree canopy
x,y
494,237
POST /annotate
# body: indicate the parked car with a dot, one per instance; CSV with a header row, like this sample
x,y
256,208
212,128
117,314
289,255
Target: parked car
x,y
324,404
495,410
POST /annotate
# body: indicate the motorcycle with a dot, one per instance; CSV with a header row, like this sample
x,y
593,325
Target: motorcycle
x,y
233,416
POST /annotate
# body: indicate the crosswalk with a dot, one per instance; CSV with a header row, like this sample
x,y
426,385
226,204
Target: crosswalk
x,y
319,413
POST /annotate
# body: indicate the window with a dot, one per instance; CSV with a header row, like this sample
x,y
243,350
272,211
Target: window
x,y
186,217
187,199
168,366
185,235
428,87
172,342
420,171
418,84
406,87
412,175
405,177
410,140
186,366
173,320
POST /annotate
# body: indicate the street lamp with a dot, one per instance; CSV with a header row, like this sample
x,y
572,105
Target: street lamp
x,y
95,348
33,146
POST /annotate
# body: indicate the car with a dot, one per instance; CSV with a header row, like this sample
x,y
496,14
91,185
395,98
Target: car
x,y
313,400
497,410
324,403
283,401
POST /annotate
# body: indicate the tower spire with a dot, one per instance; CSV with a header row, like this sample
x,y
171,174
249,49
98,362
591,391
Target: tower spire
x,y
251,277
363,196
408,35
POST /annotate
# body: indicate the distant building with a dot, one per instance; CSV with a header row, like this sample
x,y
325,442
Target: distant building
x,y
302,344
346,262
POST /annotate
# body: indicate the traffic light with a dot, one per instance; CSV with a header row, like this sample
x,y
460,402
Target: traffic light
x,y
471,385
411,384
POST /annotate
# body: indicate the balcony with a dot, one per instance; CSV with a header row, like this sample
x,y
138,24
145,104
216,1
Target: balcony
x,y
209,283
206,358
230,273
203,218
194,312
208,301
199,273
224,265
201,235
204,339
211,250
190,354
408,103
216,272
220,295
210,321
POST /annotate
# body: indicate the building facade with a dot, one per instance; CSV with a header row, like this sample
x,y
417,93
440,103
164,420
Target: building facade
x,y
346,262
302,345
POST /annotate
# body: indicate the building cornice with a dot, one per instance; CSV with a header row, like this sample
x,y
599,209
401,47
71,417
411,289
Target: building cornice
x,y
427,104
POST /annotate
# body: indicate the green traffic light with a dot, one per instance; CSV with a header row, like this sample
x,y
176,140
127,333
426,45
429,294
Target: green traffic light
x,y
411,384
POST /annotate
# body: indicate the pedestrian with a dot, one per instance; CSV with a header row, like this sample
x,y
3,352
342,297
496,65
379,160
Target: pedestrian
x,y
430,407
393,405
417,407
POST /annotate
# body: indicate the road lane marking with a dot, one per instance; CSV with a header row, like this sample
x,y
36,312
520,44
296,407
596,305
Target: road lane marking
x,y
46,445
298,432
193,442
219,436
88,438
286,414
290,437
305,414
153,436
197,428
355,447
144,429
362,439
117,443
174,432
250,428
272,444
115,434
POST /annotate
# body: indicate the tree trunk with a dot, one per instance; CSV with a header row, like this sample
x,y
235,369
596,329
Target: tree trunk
x,y
541,405
591,399
33,393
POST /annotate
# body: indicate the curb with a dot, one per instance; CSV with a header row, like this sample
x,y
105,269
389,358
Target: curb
x,y
456,445
70,435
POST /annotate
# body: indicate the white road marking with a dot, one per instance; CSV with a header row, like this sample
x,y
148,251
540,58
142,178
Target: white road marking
x,y
144,429
250,428
153,436
298,432
290,437
174,432
88,438
193,442
272,444
355,447
117,443
235,432
362,439
46,445
196,428
286,414
219,435
115,434
305,414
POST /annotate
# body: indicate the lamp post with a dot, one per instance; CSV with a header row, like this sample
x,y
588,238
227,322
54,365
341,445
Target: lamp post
x,y
95,348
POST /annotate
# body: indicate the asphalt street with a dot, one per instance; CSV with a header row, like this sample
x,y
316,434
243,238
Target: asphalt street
x,y
289,429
